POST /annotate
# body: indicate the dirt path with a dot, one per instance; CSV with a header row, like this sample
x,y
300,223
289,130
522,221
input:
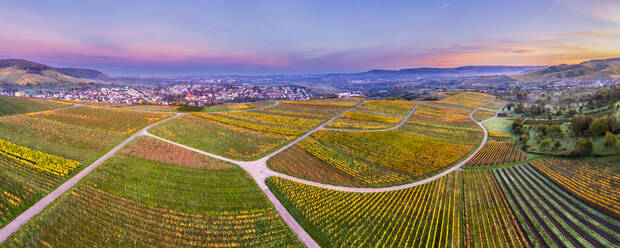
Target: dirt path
x,y
257,169
379,130
14,225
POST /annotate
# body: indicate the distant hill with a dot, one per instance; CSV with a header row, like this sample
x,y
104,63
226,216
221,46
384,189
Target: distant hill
x,y
21,72
588,70
462,71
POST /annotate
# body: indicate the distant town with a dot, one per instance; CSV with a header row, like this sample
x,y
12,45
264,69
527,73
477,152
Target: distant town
x,y
177,94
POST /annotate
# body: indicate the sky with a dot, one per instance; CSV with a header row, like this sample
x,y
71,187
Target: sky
x,y
163,38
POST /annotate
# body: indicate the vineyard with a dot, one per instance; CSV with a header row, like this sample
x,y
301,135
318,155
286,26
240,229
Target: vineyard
x,y
442,116
79,133
436,214
597,181
304,110
219,138
481,115
493,153
237,106
470,100
374,114
16,105
26,175
130,201
289,125
488,219
299,163
494,105
334,102
551,217
421,216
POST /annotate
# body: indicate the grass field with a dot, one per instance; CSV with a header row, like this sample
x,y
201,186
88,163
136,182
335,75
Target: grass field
x,y
20,105
436,214
594,180
218,138
550,216
498,125
374,114
130,201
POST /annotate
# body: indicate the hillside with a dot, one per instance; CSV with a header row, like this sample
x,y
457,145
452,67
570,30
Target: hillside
x,y
588,70
21,72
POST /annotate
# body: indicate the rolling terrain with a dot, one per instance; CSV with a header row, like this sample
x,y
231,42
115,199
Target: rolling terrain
x,y
282,174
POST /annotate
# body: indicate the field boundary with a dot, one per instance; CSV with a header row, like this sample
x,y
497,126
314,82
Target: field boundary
x,y
35,209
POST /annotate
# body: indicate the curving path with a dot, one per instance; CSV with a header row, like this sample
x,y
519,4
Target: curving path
x,y
24,217
257,169
378,130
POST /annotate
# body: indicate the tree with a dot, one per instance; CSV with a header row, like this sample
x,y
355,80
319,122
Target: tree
x,y
557,145
517,125
598,127
580,123
524,138
610,139
583,147
544,144
612,124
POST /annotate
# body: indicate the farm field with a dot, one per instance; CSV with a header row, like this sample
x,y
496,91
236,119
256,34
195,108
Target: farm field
x,y
19,105
550,216
148,107
489,220
26,175
494,152
219,138
481,114
304,110
237,106
435,114
79,133
595,180
269,122
360,158
130,201
436,214
424,215
495,105
332,102
470,100
374,114
248,135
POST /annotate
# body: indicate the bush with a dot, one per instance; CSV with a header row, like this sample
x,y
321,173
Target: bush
x,y
610,139
583,147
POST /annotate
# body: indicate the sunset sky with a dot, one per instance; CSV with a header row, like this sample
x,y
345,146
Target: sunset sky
x,y
285,37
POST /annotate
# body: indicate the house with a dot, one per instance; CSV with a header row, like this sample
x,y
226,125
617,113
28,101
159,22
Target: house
x,y
502,114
